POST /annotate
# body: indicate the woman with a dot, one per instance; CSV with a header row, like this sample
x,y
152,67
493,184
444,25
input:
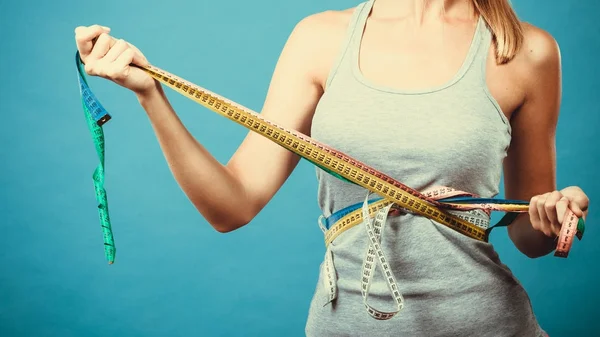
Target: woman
x,y
429,92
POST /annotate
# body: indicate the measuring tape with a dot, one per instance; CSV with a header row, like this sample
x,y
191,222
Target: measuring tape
x,y
351,216
332,161
380,209
96,116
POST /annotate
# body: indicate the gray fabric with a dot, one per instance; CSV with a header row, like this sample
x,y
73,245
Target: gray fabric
x,y
453,135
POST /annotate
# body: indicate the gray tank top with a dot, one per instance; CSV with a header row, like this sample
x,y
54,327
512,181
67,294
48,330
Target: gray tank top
x,y
453,135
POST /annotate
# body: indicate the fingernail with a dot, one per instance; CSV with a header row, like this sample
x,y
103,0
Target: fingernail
x,y
107,28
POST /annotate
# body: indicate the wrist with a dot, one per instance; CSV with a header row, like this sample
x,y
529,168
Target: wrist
x,y
150,94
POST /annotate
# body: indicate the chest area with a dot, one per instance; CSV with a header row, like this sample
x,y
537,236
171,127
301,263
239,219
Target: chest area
x,y
414,135
399,57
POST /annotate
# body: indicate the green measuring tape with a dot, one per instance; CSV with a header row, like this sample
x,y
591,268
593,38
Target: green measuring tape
x,y
96,116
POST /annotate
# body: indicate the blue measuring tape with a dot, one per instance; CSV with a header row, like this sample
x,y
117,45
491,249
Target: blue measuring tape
x,y
96,116
506,220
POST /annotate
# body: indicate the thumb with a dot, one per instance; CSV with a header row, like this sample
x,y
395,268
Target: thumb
x,y
138,57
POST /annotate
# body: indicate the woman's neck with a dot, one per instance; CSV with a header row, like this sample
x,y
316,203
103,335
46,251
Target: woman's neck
x,y
421,11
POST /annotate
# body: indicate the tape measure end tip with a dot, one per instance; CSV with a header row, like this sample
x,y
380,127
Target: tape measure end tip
x,y
103,120
561,254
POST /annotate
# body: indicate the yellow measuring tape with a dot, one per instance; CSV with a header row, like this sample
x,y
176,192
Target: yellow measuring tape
x,y
320,154
352,170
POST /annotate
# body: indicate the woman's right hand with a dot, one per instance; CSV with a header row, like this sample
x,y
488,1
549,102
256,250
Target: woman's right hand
x,y
111,58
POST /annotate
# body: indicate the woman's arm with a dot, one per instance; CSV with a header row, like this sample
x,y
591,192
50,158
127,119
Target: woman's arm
x,y
530,167
230,195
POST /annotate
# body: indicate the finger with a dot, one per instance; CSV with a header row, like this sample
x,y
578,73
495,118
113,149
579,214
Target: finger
x,y
582,201
562,206
544,221
550,210
574,206
84,37
116,51
138,57
101,47
120,67
534,216
577,196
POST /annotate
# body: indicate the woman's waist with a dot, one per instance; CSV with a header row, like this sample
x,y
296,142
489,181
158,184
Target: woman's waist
x,y
419,250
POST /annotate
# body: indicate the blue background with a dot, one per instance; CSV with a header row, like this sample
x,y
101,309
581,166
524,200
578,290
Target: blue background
x,y
174,275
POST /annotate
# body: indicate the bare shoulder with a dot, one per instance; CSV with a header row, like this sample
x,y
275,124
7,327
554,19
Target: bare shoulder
x,y
539,53
324,24
318,39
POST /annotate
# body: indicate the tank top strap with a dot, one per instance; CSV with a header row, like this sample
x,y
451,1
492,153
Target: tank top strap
x,y
353,35
477,69
361,23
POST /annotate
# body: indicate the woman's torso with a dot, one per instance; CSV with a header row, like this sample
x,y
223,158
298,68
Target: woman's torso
x,y
451,132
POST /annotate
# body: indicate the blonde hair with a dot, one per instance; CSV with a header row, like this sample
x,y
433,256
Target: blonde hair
x,y
505,26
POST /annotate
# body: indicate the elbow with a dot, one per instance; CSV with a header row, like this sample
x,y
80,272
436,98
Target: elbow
x,y
229,224
227,216
534,254
223,228
533,250
533,246
540,250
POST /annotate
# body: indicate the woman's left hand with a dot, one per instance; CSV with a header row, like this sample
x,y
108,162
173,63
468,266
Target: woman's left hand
x,y
547,211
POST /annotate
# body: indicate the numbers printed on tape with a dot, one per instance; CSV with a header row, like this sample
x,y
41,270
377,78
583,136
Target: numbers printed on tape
x,y
331,160
348,167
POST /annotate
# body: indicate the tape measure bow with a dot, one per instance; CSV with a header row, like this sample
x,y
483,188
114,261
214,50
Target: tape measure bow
x,y
332,161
